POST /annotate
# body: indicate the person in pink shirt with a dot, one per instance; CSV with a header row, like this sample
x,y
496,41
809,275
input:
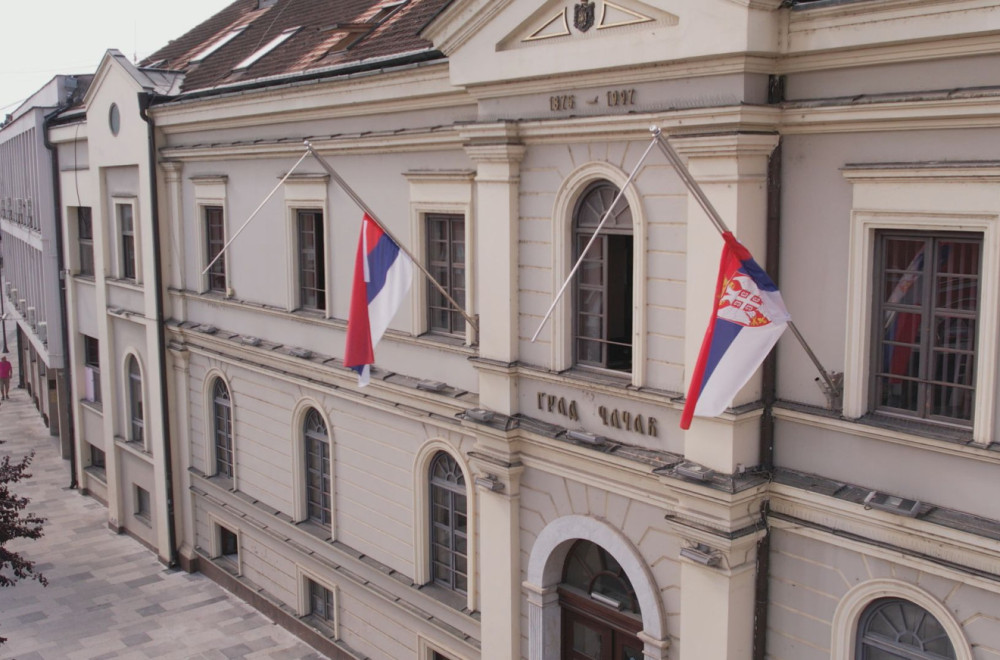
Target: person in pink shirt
x,y
6,369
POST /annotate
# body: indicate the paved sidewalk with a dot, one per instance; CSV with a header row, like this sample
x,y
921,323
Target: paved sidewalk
x,y
108,596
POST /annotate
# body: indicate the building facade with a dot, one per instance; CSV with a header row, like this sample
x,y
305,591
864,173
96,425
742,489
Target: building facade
x,y
493,494
30,238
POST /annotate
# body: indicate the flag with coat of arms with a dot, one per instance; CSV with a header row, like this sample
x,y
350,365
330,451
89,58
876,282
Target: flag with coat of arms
x,y
748,317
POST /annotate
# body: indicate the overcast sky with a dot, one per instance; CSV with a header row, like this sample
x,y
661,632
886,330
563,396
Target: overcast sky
x,y
43,38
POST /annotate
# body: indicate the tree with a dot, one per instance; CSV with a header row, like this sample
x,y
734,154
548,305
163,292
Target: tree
x,y
16,524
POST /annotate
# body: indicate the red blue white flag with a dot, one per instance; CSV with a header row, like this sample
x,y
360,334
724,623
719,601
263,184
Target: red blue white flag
x,y
748,318
382,276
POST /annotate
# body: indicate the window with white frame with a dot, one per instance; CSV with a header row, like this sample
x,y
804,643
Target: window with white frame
x,y
922,311
449,524
317,466
91,369
215,239
311,259
602,289
85,239
222,429
926,318
446,264
135,408
126,228
893,628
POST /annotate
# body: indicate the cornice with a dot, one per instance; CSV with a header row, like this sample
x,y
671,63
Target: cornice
x,y
902,115
460,21
894,436
919,543
422,88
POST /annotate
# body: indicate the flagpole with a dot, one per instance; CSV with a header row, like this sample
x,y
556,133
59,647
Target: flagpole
x,y
371,214
252,215
716,219
607,214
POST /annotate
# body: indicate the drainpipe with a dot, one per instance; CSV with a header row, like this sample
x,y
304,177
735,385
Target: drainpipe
x,y
769,394
145,100
63,315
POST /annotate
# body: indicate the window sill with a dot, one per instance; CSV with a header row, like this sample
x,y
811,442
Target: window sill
x,y
93,406
313,528
131,284
98,473
453,599
144,519
135,449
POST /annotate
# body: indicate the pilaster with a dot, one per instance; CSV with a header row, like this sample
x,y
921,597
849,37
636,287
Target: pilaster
x,y
498,475
173,219
732,171
497,153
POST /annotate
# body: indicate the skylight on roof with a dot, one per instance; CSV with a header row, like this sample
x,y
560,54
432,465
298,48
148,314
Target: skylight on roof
x,y
386,10
267,48
218,43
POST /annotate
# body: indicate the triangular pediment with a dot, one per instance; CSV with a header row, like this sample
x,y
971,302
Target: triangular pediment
x,y
567,19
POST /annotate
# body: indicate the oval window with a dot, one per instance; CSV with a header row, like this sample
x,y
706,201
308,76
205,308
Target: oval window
x,y
114,119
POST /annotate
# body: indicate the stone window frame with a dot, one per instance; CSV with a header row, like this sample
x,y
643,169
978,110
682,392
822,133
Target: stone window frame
x,y
560,332
210,191
921,199
304,577
127,201
852,605
422,517
300,509
308,192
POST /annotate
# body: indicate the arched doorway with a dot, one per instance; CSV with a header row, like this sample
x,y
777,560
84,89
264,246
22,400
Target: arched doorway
x,y
600,611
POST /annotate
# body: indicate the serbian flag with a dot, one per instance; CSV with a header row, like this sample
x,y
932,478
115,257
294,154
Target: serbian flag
x,y
382,276
748,318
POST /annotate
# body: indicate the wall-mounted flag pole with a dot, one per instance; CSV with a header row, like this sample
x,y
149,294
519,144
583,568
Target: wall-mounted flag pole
x,y
732,250
593,238
374,218
254,214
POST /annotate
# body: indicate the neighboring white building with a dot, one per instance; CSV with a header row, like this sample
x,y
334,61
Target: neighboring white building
x,y
487,496
30,240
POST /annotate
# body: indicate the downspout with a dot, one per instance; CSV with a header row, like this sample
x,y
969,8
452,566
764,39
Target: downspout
x,y
145,100
776,95
61,262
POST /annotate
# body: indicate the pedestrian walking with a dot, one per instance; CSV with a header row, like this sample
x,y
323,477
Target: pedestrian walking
x,y
6,369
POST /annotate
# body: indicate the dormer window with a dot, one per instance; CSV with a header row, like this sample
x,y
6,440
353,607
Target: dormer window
x,y
217,44
386,10
267,48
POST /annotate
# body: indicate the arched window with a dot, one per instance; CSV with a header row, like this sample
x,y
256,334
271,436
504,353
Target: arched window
x,y
222,427
602,289
600,611
317,448
893,628
136,423
449,524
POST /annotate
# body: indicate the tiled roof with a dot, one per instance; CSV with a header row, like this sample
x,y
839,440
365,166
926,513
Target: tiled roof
x,y
331,33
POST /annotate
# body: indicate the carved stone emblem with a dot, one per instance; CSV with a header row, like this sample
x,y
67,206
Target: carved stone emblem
x,y
583,15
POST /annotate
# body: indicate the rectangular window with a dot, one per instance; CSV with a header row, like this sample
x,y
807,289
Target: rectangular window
x,y
446,263
215,239
318,480
321,602
142,504
229,547
126,224
85,236
927,308
312,269
97,458
92,369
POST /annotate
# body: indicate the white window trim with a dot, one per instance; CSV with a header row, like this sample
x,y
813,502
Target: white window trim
x,y
119,253
218,43
422,516
561,323
127,392
300,509
215,543
845,619
208,401
426,650
442,192
211,191
886,199
303,578
305,192
266,48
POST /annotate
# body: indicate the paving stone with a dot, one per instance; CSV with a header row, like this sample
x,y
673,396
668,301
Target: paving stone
x,y
108,596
